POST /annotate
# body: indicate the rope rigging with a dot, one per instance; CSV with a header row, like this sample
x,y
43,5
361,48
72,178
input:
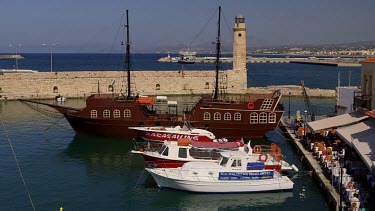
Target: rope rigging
x,y
46,112
204,27
18,165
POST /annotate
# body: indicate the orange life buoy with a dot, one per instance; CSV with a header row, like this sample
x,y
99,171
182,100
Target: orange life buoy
x,y
263,157
250,105
257,149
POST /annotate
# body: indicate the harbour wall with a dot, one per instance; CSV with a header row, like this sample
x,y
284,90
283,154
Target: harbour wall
x,y
79,84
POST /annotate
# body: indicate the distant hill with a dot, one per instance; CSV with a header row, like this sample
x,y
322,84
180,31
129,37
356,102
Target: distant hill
x,y
207,47
356,45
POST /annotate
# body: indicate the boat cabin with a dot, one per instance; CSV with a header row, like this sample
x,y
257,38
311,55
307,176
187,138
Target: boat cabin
x,y
173,149
239,160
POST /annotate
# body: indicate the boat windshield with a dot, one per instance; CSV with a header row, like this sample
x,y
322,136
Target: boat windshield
x,y
162,149
224,161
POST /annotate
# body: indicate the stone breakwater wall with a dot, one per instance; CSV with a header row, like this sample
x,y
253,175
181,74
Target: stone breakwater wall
x,y
47,85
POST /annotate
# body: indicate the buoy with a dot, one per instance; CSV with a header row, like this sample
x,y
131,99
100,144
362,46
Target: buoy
x,y
263,157
257,149
250,105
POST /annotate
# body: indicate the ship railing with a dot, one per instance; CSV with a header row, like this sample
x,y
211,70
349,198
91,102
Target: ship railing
x,y
146,146
146,111
269,150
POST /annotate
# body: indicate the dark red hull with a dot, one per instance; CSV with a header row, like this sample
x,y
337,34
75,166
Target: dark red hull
x,y
162,163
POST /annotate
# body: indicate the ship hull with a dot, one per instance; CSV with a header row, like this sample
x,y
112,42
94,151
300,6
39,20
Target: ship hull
x,y
120,129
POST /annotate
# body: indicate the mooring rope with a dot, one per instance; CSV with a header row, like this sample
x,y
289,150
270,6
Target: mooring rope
x,y
46,112
280,132
18,165
139,179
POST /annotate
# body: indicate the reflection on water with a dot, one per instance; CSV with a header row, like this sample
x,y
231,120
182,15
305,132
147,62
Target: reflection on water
x,y
108,155
233,201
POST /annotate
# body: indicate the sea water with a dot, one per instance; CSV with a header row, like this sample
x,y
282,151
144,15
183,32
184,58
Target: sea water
x,y
95,173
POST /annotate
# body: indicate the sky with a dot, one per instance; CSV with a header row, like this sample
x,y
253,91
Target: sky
x,y
96,26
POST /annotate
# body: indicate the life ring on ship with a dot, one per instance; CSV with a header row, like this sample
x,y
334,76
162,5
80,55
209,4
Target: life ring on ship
x,y
263,157
257,149
250,105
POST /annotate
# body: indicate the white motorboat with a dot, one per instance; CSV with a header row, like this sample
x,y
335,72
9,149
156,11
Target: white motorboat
x,y
60,98
234,173
174,154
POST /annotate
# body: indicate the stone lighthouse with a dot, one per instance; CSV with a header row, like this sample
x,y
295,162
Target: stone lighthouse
x,y
239,45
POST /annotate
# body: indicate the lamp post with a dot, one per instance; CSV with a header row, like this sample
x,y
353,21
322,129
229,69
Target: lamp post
x,y
304,127
289,107
50,49
15,53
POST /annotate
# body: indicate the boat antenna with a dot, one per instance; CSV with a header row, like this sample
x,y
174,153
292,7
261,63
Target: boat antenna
x,y
127,59
217,57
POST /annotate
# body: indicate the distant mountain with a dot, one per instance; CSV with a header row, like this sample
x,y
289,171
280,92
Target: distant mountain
x,y
227,46
356,45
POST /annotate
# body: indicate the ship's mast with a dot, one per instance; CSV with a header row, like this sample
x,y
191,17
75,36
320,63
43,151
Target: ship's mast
x,y
127,59
217,57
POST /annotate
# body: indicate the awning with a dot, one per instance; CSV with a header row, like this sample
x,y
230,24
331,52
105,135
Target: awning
x,y
337,121
361,137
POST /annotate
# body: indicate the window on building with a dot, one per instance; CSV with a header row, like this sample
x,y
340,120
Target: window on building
x,y
206,116
207,86
237,116
217,116
227,116
55,89
157,86
254,118
272,118
182,153
116,114
94,114
127,113
110,88
106,114
262,118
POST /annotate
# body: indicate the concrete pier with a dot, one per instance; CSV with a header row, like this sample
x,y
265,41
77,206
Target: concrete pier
x,y
309,161
11,57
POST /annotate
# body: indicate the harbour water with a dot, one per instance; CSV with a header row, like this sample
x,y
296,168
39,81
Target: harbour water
x,y
315,76
93,173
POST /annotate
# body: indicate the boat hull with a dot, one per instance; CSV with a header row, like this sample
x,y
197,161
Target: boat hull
x,y
120,129
210,184
162,163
